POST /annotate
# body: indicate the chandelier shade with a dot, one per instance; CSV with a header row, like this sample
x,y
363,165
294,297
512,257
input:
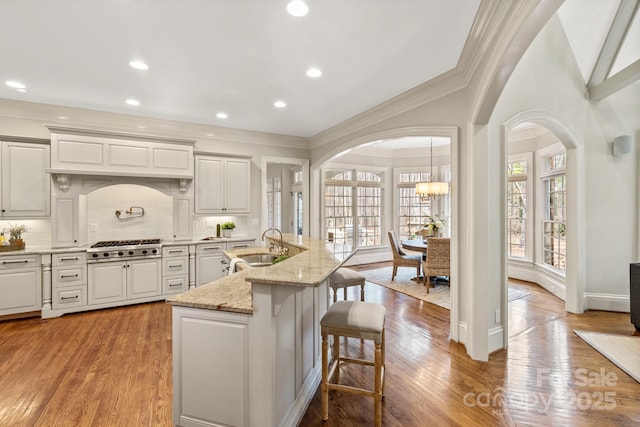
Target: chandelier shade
x,y
431,188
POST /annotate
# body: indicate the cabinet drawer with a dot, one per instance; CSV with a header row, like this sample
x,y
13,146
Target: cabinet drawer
x,y
210,249
240,245
18,262
172,251
175,285
176,266
70,276
76,258
70,297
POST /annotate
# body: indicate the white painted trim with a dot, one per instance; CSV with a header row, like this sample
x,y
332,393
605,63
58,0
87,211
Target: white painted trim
x,y
608,302
496,339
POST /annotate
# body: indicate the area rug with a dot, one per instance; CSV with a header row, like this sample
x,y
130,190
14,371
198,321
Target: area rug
x,y
438,295
622,350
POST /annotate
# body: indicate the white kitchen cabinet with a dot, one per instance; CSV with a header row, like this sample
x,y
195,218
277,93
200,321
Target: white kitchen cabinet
x,y
20,284
211,263
175,269
26,187
69,281
126,280
222,185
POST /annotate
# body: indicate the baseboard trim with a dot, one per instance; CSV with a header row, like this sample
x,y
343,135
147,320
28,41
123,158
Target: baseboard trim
x,y
607,302
496,339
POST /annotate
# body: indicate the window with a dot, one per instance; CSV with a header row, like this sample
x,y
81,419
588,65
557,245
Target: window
x,y
412,210
554,223
517,209
352,209
274,202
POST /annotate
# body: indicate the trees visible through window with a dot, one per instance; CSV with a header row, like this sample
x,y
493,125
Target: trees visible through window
x,y
554,224
517,209
353,209
412,211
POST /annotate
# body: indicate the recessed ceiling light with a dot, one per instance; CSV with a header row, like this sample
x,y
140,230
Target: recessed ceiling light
x,y
15,85
314,72
62,117
222,115
297,8
134,102
138,65
279,104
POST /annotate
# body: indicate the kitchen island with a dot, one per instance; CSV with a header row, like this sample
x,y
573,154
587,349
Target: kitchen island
x,y
246,348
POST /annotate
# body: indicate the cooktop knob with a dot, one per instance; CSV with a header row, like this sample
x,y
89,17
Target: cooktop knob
x,y
95,255
144,251
154,251
130,252
106,254
120,253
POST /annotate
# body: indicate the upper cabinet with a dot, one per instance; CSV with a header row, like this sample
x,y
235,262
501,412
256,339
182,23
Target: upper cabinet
x,y
103,153
26,187
222,184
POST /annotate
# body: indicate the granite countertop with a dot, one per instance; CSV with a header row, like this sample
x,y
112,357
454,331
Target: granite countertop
x,y
233,293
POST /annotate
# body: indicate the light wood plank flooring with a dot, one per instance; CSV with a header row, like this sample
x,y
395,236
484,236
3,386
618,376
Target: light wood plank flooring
x,y
113,368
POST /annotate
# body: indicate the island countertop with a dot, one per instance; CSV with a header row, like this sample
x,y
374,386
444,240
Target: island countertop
x,y
233,293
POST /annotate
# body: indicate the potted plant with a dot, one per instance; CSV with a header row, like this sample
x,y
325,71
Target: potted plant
x,y
15,233
227,228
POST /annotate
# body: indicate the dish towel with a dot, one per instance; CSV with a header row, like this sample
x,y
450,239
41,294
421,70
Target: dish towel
x,y
232,265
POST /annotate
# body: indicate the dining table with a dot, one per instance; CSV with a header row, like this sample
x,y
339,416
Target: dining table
x,y
417,245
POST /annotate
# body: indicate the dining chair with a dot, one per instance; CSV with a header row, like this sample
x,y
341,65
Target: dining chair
x,y
402,259
438,259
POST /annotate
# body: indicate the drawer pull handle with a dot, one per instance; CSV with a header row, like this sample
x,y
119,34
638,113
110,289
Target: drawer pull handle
x,y
68,275
175,285
216,248
240,246
175,251
66,298
175,266
22,261
224,261
70,259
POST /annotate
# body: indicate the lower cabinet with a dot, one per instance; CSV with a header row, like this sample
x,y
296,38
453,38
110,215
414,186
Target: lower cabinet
x,y
211,263
175,269
20,284
69,276
124,280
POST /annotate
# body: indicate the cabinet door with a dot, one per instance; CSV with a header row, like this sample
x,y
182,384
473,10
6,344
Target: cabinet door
x,y
65,222
107,282
209,183
143,278
237,185
26,187
20,290
182,218
210,267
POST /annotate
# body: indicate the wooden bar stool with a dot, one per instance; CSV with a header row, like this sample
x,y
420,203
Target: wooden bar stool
x,y
354,319
343,278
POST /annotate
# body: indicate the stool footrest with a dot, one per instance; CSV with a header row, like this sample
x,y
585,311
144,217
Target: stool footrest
x,y
358,361
350,389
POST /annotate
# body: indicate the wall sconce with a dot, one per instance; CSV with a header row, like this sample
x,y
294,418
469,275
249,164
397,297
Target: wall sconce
x,y
622,145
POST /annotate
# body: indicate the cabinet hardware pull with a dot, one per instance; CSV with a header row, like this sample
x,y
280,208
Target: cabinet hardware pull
x,y
73,297
175,251
217,248
175,266
173,285
240,246
68,275
224,261
22,261
70,259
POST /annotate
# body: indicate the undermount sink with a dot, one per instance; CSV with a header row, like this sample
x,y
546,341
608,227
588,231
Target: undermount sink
x,y
259,260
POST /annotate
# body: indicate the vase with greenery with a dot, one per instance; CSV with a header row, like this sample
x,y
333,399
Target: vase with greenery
x,y
15,233
227,228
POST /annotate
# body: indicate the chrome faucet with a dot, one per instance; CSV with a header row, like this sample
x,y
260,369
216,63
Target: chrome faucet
x,y
274,229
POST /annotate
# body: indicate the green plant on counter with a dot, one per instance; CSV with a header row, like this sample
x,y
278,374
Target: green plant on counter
x,y
280,258
229,225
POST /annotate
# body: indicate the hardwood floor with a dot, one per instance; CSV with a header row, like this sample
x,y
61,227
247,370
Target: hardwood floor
x,y
113,368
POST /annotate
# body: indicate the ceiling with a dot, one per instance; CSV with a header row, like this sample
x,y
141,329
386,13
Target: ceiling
x,y
236,57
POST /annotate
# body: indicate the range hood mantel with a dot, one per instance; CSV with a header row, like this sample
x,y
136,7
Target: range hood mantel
x,y
98,153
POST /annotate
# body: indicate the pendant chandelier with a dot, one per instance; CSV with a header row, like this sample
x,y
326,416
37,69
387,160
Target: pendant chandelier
x,y
431,189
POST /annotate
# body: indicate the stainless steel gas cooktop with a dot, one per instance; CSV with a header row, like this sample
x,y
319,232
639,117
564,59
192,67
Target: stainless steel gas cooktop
x,y
118,249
